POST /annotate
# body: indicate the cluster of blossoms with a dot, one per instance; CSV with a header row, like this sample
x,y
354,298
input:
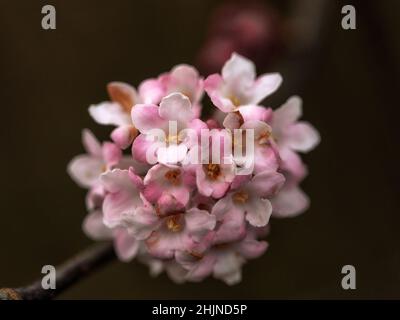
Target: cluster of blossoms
x,y
193,219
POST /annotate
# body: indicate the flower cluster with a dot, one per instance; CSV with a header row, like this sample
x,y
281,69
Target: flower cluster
x,y
193,219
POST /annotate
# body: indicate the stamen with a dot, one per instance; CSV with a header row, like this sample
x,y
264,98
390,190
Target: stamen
x,y
235,100
173,223
213,171
240,197
173,176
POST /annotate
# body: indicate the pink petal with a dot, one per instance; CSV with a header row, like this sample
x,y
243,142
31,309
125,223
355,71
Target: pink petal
x,y
176,106
287,114
266,159
85,170
228,267
151,91
264,86
213,86
238,67
232,226
109,113
266,183
252,112
221,207
94,227
258,212
142,147
199,223
292,165
126,246
290,202
124,94
123,136
123,196
91,144
302,136
142,223
251,249
111,153
145,117
184,79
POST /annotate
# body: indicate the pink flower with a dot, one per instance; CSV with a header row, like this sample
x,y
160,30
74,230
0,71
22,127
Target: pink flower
x,y
250,200
162,134
184,79
265,156
214,172
117,112
290,133
126,247
86,169
291,136
164,235
168,187
194,197
223,261
238,87
179,232
123,196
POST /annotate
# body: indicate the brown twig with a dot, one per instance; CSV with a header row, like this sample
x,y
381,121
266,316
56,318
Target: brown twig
x,y
67,274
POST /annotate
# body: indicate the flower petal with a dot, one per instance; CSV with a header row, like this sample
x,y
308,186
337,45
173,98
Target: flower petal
x,y
124,94
142,223
94,227
251,248
111,153
151,91
145,117
144,149
258,212
126,246
287,114
289,202
213,85
302,136
266,183
238,68
91,144
85,170
199,223
123,136
184,79
264,86
176,107
109,113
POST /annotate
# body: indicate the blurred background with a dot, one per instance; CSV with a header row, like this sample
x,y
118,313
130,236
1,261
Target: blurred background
x,y
348,79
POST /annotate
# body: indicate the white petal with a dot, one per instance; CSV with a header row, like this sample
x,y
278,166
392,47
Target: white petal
x,y
109,113
258,212
176,106
264,86
85,170
91,144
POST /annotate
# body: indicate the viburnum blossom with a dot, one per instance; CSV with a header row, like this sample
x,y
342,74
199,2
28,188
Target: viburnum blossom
x,y
193,197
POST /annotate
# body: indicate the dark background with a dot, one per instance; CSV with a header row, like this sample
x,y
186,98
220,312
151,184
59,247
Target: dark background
x,y
49,78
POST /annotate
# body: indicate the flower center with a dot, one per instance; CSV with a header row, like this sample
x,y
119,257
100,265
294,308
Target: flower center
x,y
264,136
240,197
173,176
172,139
173,223
213,170
196,254
235,100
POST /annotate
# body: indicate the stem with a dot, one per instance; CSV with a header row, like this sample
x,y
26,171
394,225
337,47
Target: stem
x,y
68,273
